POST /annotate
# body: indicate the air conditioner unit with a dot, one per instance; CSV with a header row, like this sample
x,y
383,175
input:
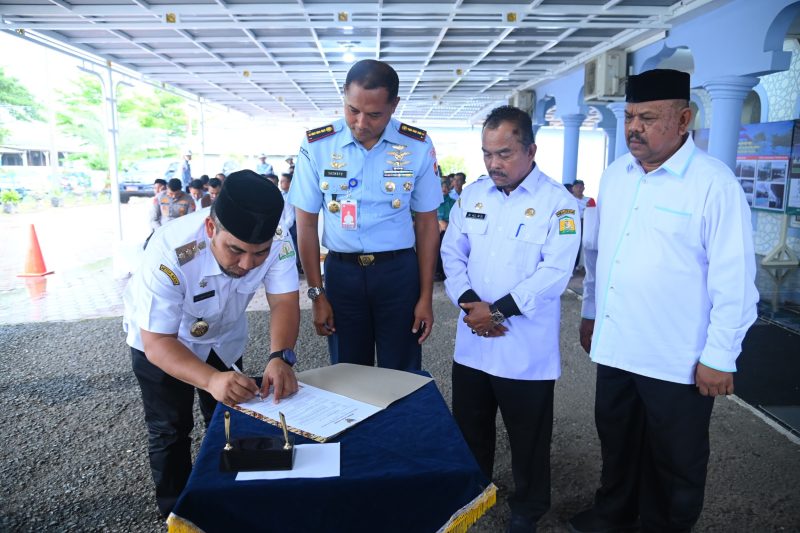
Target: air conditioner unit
x,y
604,77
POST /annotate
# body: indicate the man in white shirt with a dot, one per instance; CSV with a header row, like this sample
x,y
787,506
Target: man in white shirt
x,y
665,310
186,324
508,254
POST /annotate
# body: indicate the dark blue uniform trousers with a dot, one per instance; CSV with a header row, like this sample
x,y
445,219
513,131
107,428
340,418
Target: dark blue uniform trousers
x,y
373,308
655,448
168,412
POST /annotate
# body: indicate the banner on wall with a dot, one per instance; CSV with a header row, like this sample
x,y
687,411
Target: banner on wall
x,y
767,164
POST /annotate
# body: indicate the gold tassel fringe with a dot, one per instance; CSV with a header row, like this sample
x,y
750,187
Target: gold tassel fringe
x,y
465,517
176,524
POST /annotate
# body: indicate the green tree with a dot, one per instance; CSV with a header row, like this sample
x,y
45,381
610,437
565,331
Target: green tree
x,y
155,109
81,115
451,164
17,101
151,122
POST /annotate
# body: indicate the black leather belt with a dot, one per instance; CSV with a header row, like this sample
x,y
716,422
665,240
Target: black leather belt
x,y
365,259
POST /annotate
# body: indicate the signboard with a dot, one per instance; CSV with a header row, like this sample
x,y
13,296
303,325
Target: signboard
x,y
767,164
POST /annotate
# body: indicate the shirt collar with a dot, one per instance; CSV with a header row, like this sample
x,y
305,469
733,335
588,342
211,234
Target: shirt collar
x,y
530,182
391,133
208,266
675,165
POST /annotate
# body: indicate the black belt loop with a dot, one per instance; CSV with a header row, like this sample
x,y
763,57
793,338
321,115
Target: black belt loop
x,y
367,259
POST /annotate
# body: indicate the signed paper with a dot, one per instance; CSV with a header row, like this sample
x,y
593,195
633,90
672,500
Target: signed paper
x,y
312,412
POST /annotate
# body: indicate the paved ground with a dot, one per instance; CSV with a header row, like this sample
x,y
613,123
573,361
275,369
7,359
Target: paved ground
x,y
75,440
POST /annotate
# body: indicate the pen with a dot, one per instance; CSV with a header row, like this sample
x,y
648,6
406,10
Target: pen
x,y
519,228
238,371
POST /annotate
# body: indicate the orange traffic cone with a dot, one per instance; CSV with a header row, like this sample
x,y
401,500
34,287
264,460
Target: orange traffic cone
x,y
34,264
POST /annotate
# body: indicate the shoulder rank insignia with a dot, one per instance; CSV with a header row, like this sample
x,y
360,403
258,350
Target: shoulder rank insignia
x,y
170,274
187,252
414,133
320,133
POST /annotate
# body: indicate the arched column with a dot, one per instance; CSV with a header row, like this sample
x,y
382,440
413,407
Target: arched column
x,y
620,147
611,149
727,96
572,131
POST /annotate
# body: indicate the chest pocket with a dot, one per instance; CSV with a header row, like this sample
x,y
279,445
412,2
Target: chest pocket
x,y
473,225
208,308
397,186
527,238
671,221
334,186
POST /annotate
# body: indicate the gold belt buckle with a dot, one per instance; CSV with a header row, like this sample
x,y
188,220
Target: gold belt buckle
x,y
366,260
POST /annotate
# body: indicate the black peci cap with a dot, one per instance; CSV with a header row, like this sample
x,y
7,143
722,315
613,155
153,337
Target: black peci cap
x,y
658,84
249,207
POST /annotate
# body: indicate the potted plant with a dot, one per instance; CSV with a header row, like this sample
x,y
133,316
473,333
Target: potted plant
x,y
10,199
56,197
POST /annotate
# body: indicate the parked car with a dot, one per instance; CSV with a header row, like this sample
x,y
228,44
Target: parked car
x,y
138,179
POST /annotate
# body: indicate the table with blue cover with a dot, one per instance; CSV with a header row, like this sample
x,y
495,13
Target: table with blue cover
x,y
406,468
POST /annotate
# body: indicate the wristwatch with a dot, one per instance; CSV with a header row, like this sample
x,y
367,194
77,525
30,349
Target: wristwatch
x,y
287,354
315,292
497,316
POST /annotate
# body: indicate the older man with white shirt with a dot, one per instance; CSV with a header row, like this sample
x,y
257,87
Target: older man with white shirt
x,y
664,311
508,254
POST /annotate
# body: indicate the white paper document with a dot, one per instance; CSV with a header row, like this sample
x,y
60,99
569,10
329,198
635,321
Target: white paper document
x,y
310,461
312,412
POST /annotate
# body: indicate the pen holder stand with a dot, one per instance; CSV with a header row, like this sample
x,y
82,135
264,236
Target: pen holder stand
x,y
256,454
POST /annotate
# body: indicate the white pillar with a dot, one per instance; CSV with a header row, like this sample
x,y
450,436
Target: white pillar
x,y
611,139
572,132
727,97
620,146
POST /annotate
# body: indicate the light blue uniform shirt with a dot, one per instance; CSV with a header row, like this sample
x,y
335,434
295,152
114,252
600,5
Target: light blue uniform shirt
x,y
673,282
337,167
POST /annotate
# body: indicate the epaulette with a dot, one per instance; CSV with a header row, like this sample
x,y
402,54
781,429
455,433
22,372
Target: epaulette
x,y
414,133
188,251
319,133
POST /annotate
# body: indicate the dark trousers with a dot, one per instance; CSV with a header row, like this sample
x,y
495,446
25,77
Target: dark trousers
x,y
373,310
439,265
655,449
168,412
527,410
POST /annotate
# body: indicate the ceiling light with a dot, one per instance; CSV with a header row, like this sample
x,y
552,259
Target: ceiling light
x,y
349,56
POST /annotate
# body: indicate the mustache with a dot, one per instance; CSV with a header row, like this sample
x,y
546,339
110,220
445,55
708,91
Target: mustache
x,y
636,137
497,174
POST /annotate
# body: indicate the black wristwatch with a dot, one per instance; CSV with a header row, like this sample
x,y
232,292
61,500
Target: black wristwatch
x,y
287,355
497,316
315,292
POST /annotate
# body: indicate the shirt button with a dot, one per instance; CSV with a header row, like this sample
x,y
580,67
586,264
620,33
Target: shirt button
x,y
627,234
616,261
635,208
608,316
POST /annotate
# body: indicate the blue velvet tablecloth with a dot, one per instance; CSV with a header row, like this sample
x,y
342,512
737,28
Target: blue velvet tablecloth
x,y
406,468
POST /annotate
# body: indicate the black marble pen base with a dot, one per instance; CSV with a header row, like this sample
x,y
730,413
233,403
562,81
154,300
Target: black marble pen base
x,y
257,453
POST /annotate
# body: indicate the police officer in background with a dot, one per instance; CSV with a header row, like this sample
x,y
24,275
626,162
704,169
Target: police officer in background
x,y
186,324
170,204
367,172
508,254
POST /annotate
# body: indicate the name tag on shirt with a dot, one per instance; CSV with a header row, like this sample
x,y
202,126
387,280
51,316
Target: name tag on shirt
x,y
335,173
203,296
349,214
478,216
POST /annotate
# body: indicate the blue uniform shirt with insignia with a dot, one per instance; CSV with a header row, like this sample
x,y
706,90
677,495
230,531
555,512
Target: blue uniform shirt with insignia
x,y
397,176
